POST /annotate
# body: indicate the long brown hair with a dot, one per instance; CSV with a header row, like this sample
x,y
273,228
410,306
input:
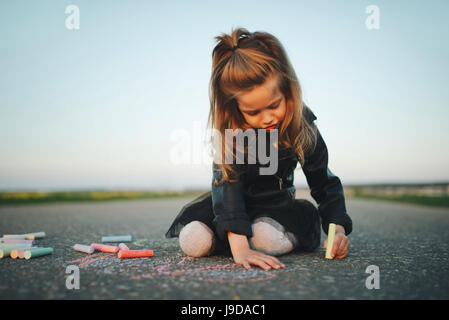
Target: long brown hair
x,y
240,62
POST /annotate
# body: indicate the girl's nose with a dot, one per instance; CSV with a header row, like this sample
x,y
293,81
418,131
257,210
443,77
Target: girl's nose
x,y
268,120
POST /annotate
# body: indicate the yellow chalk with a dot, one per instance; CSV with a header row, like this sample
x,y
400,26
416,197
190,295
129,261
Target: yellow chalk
x,y
18,236
330,240
28,236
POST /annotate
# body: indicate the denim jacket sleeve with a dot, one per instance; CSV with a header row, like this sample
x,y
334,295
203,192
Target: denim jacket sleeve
x,y
229,208
325,187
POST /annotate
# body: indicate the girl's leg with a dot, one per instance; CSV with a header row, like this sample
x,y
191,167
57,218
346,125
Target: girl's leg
x,y
270,237
196,239
308,225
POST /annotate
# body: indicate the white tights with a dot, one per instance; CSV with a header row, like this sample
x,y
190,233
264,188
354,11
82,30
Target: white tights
x,y
197,240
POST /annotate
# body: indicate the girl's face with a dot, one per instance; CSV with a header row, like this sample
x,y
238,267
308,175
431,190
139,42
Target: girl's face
x,y
264,106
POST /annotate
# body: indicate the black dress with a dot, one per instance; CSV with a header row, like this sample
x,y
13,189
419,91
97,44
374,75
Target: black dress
x,y
233,206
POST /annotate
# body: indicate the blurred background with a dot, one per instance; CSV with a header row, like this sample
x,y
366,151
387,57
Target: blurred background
x,y
121,103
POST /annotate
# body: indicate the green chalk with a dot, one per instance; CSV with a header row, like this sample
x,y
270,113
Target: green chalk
x,y
124,238
15,245
37,252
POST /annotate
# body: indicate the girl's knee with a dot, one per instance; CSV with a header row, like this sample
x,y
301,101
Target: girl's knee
x,y
270,237
196,239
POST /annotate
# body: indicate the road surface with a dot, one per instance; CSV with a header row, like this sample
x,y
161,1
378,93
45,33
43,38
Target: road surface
x,y
408,243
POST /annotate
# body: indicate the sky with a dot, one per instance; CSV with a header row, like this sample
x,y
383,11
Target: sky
x,y
122,102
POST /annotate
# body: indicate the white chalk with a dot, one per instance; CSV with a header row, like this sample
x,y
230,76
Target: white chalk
x,y
83,248
123,246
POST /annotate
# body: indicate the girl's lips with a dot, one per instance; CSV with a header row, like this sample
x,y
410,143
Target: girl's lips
x,y
272,127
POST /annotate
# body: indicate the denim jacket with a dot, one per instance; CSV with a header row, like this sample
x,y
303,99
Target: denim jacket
x,y
236,203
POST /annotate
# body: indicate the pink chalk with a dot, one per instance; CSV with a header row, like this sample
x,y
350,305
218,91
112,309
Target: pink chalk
x,y
17,241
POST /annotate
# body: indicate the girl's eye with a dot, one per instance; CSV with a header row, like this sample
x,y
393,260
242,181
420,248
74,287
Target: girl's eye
x,y
254,113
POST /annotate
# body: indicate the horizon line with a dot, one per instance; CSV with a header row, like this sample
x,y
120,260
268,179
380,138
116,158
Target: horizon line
x,y
193,188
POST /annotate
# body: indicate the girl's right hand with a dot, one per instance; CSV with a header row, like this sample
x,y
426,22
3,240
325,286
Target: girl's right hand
x,y
249,257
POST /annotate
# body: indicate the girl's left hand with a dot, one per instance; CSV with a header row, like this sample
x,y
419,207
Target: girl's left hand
x,y
340,248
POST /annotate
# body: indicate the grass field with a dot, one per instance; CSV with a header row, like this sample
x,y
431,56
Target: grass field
x,y
11,198
434,201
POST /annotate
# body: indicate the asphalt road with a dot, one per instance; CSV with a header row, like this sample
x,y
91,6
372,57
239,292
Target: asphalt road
x,y
408,243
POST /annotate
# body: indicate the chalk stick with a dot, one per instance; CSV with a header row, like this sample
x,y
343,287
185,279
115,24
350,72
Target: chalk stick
x,y
104,248
12,240
83,248
16,236
38,235
123,238
37,252
21,252
330,240
135,253
29,236
6,251
14,253
15,245
122,246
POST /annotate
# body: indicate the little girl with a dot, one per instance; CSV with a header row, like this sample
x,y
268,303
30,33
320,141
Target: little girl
x,y
252,216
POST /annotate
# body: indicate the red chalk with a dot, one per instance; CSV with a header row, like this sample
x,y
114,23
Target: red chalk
x,y
135,253
104,248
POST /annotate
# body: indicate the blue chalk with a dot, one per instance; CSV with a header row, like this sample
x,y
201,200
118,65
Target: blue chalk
x,y
125,238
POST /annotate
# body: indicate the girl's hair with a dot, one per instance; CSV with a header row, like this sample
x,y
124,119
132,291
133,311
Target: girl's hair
x,y
240,62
